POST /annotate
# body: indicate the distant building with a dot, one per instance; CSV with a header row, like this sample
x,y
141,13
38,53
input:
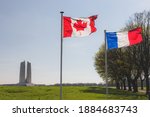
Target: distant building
x,y
25,74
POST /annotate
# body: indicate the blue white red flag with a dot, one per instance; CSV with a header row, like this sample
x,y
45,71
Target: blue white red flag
x,y
123,39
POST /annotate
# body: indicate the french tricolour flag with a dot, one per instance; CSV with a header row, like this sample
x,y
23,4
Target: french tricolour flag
x,y
123,39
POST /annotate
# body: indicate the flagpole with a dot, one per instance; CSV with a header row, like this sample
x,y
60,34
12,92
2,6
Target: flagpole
x,y
61,54
106,62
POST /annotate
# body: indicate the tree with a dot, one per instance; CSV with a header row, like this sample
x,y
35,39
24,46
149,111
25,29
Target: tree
x,y
116,65
143,20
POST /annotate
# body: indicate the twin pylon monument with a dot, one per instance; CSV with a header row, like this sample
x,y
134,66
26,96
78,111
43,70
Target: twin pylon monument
x,y
25,74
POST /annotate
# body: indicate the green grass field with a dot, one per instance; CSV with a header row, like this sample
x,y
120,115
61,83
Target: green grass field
x,y
69,93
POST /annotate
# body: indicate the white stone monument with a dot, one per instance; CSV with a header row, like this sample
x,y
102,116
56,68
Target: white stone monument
x,y
25,74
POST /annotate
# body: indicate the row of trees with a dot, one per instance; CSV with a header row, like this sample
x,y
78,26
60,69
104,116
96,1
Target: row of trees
x,y
131,64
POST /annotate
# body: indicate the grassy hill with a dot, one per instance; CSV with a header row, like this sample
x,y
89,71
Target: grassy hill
x,y
69,93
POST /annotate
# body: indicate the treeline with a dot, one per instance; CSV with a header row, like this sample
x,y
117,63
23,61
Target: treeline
x,y
127,66
80,84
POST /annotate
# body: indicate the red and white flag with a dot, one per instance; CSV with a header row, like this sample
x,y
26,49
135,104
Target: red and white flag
x,y
79,27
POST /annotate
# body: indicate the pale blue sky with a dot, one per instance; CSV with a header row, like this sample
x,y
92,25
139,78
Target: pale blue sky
x,y
30,30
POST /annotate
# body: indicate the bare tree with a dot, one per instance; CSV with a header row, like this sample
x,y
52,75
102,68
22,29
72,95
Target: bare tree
x,y
143,20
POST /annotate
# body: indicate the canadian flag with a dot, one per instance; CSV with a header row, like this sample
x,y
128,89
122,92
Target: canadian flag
x,y
78,27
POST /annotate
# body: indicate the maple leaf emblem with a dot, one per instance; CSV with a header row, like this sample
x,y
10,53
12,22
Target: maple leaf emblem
x,y
80,25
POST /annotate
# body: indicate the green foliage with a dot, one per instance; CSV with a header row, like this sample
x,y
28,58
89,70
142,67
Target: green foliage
x,y
69,93
117,67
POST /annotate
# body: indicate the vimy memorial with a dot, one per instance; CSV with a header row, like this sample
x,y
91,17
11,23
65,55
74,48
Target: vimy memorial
x,y
25,74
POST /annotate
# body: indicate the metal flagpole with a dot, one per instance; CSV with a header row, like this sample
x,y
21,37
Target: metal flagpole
x,y
61,54
106,62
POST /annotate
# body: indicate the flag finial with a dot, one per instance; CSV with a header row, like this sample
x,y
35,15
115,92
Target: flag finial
x,y
61,12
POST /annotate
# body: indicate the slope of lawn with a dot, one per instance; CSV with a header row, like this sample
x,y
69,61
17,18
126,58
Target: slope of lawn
x,y
69,93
